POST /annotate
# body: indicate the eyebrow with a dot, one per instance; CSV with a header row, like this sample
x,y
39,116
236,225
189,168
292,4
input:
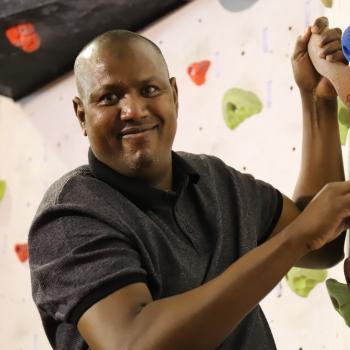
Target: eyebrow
x,y
118,86
102,88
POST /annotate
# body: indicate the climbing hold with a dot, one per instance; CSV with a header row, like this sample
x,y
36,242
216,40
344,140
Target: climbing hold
x,y
24,36
347,270
2,189
197,71
345,41
22,252
327,3
238,105
340,297
343,120
237,5
303,281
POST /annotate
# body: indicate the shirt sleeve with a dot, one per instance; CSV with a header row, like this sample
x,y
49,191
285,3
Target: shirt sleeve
x,y
76,260
263,204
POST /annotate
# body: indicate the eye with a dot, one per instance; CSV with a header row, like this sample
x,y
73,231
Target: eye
x,y
109,98
149,90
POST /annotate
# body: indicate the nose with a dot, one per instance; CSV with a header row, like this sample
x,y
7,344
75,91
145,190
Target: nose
x,y
133,108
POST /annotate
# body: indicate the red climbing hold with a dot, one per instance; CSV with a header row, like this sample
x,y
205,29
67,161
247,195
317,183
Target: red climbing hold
x,y
24,36
22,252
197,71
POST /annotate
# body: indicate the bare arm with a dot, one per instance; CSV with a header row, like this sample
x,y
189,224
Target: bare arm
x,y
203,317
321,161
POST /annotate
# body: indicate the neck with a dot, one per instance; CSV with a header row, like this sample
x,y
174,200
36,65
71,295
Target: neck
x,y
162,177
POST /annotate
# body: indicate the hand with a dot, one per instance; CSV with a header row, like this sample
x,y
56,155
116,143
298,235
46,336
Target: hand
x,y
325,217
306,76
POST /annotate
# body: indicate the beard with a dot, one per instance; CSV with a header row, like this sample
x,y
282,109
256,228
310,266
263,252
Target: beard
x,y
140,162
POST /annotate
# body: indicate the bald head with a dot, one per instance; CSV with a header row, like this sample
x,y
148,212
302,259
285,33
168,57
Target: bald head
x,y
116,41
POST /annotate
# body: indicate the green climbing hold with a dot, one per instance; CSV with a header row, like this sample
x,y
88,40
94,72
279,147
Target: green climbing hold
x,y
340,297
238,105
2,189
303,281
343,120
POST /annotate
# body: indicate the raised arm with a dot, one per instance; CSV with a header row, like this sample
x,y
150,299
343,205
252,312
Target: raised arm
x,y
321,161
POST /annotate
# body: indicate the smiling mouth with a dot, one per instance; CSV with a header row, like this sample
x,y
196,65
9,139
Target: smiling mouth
x,y
136,131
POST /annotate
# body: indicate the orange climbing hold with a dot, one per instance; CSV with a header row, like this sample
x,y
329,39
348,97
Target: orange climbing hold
x,y
197,71
24,36
22,252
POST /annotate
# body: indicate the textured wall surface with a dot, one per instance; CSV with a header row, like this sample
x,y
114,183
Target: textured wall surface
x,y
211,47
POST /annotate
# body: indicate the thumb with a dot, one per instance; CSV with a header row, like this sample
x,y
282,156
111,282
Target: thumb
x,y
301,43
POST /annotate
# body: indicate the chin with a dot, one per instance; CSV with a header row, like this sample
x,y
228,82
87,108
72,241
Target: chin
x,y
140,161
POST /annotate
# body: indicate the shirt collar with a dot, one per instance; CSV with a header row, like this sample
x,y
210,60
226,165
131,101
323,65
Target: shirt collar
x,y
136,190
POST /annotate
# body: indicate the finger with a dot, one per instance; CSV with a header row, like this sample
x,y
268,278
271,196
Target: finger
x,y
340,188
345,204
301,43
319,25
306,36
340,32
337,57
329,35
330,48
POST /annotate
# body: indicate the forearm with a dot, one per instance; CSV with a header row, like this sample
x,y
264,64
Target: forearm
x,y
202,318
321,160
321,163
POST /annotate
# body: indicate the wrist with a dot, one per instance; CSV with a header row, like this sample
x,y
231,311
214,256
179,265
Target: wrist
x,y
310,96
326,103
295,240
307,94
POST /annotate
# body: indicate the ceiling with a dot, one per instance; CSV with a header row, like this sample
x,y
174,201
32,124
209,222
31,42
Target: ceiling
x,y
41,38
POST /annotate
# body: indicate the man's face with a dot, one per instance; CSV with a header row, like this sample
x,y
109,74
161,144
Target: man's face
x,y
130,109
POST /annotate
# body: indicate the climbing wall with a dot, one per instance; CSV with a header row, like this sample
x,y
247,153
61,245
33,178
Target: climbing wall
x,y
238,101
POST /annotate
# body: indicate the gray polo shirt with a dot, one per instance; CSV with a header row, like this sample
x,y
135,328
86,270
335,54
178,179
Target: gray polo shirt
x,y
97,231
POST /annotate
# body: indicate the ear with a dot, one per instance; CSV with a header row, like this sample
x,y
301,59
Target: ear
x,y
80,113
175,92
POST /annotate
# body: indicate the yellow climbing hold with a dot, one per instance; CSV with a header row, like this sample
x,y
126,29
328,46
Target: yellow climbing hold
x,y
327,3
238,105
2,189
303,281
343,120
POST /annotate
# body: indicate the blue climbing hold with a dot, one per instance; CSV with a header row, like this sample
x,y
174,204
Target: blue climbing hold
x,y
346,43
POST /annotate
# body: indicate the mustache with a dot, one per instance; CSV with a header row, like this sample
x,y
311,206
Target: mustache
x,y
136,126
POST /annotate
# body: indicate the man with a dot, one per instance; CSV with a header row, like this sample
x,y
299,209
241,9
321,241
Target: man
x,y
146,248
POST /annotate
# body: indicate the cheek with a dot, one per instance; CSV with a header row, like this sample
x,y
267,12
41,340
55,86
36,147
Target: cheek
x,y
103,122
169,111
171,127
102,130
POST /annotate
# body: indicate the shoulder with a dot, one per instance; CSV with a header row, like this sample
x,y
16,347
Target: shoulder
x,y
63,186
202,162
212,166
77,188
215,173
